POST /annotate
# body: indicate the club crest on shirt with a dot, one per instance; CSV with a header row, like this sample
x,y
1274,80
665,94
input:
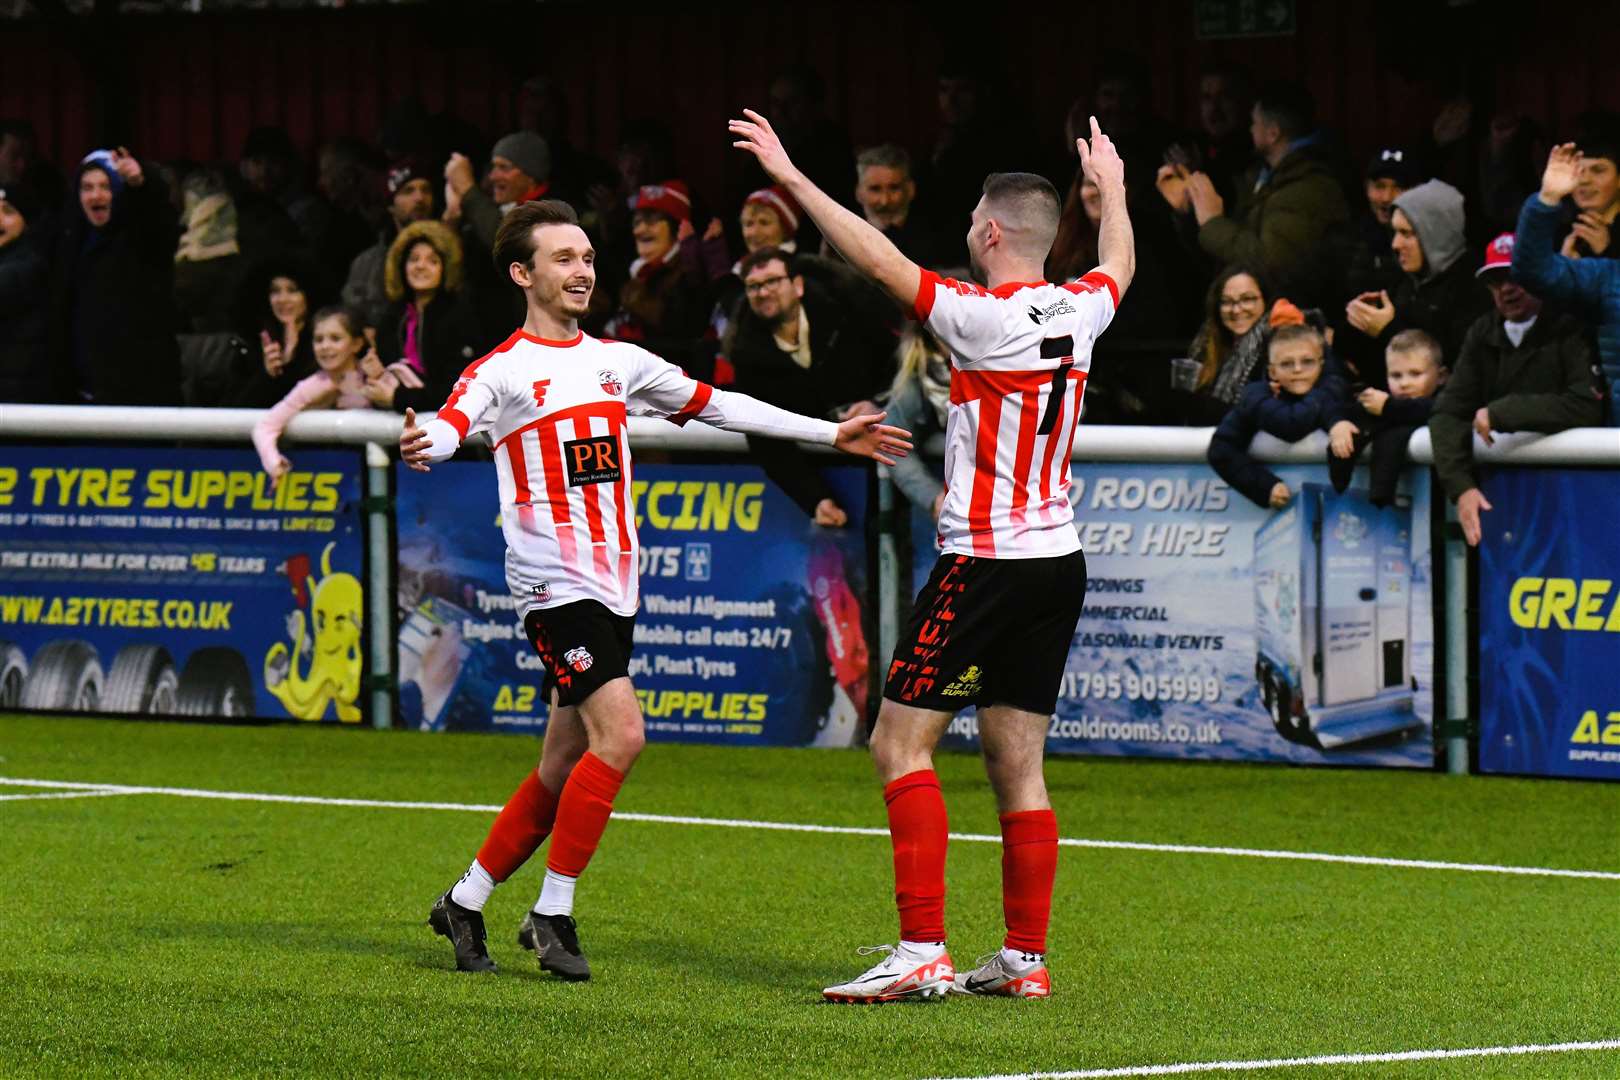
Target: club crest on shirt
x,y
542,591
579,659
611,383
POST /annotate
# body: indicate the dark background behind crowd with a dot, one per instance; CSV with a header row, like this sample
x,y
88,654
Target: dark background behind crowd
x,y
280,162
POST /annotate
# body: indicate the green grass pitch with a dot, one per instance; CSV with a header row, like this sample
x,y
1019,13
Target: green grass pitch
x,y
158,935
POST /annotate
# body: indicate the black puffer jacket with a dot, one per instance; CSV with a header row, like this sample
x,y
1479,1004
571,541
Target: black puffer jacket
x,y
112,316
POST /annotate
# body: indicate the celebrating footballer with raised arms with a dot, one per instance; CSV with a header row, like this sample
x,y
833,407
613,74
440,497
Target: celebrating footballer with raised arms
x,y
992,626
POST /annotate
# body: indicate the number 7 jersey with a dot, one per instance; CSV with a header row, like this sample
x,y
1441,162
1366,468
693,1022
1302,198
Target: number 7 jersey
x,y
1020,354
557,413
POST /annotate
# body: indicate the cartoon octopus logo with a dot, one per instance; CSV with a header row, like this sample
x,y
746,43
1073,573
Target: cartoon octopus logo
x,y
333,668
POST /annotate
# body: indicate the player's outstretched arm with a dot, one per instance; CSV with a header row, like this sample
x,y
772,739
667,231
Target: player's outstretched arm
x,y
1116,244
869,437
866,249
420,446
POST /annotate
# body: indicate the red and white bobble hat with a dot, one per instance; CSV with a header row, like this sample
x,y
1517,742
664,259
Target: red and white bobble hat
x,y
1498,255
777,199
669,198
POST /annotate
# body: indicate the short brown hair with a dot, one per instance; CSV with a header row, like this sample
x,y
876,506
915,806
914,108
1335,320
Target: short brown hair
x,y
1026,203
1417,341
756,259
1299,332
514,241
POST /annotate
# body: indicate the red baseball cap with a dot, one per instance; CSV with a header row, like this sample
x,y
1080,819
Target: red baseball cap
x,y
1498,254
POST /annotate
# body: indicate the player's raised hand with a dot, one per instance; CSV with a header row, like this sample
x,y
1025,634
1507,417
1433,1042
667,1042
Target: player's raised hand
x,y
756,136
868,436
1562,172
1099,159
414,443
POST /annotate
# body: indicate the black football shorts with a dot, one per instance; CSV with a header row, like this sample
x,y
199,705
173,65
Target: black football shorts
x,y
989,632
583,645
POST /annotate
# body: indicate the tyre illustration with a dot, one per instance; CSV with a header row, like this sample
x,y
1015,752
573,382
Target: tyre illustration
x,y
65,676
13,675
215,682
141,680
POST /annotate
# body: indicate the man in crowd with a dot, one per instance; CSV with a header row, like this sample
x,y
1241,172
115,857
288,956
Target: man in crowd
x,y
1590,286
1520,369
1370,262
815,337
519,171
1294,201
1225,100
410,198
886,192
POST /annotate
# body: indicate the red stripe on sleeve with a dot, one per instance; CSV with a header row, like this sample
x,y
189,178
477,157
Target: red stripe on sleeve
x,y
456,419
700,401
924,304
1092,282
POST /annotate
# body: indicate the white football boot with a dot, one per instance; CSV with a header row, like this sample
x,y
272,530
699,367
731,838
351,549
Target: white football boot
x,y
1004,976
901,975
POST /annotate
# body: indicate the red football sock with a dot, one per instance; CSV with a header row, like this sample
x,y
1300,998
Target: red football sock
x,y
1029,849
520,828
582,814
918,830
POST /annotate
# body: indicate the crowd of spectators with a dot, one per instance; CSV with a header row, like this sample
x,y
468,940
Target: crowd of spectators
x,y
1280,287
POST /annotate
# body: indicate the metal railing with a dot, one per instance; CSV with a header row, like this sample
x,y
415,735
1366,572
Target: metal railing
x,y
378,433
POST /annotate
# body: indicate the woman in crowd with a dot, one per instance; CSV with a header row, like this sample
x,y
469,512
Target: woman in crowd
x,y
920,399
1230,349
277,298
431,331
339,348
664,306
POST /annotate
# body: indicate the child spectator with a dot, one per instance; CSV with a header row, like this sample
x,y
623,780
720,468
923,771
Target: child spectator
x,y
1416,371
340,349
1298,399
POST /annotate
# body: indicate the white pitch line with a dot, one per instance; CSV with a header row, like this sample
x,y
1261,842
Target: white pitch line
x,y
1292,1063
64,795
839,830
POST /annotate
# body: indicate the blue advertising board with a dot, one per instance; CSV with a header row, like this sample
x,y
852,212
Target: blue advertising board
x,y
752,629
180,583
1549,597
1215,629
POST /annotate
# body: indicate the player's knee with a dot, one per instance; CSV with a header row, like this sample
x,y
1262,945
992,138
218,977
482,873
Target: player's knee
x,y
619,743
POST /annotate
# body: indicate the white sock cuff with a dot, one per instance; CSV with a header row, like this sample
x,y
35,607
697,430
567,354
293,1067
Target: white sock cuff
x,y
472,891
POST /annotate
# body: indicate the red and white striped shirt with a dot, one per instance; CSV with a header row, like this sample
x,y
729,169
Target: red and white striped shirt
x,y
1020,354
557,413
